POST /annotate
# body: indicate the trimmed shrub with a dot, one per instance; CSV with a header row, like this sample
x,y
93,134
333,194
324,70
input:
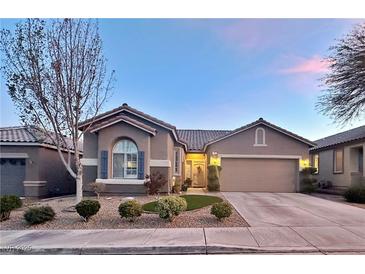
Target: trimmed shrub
x,y
169,207
97,188
39,215
187,183
154,182
308,184
177,187
87,208
306,171
130,210
221,210
213,177
7,204
355,194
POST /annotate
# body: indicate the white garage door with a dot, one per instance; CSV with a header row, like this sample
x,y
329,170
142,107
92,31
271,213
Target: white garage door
x,y
262,175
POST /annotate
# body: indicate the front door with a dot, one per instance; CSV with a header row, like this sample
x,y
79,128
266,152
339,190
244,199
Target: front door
x,y
198,174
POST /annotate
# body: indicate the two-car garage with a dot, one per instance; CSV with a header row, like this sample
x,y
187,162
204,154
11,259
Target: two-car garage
x,y
259,174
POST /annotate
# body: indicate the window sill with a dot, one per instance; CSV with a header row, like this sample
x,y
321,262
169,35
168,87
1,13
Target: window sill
x,y
260,145
120,181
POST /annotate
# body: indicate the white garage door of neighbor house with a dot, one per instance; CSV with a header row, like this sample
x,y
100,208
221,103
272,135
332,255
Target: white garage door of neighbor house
x,y
262,175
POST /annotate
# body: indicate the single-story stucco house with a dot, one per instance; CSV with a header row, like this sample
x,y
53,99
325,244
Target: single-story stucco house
x,y
30,165
121,146
339,158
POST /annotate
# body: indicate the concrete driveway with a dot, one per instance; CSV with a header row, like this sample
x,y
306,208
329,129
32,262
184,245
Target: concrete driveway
x,y
290,218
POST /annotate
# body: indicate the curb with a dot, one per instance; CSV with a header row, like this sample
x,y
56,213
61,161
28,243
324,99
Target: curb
x,y
175,250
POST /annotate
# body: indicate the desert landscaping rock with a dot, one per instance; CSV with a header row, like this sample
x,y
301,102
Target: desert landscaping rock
x,y
109,218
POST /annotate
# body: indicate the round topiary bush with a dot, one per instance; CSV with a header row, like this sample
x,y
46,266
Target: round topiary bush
x,y
355,194
169,207
221,210
7,204
39,215
130,210
87,208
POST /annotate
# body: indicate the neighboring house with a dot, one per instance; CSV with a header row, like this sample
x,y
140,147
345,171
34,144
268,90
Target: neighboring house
x,y
121,146
340,158
30,165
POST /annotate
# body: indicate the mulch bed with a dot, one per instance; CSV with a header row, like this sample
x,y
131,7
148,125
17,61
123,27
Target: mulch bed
x,y
108,217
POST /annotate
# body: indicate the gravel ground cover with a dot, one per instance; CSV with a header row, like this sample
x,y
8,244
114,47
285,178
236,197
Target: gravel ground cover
x,y
108,217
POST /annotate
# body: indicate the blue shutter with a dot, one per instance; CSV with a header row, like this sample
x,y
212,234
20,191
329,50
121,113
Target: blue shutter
x,y
141,165
104,164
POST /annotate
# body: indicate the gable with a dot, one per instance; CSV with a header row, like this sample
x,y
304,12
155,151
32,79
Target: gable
x,y
277,143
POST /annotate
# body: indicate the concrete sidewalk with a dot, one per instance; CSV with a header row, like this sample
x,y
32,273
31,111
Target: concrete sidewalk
x,y
320,240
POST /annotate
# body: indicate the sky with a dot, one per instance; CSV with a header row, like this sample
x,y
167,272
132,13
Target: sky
x,y
218,73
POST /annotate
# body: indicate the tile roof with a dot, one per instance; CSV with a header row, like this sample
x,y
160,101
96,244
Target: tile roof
x,y
197,138
133,110
27,134
124,118
339,138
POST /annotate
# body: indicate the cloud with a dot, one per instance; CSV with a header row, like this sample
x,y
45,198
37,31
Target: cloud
x,y
312,65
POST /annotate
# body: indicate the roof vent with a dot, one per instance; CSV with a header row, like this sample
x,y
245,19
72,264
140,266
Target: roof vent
x,y
125,105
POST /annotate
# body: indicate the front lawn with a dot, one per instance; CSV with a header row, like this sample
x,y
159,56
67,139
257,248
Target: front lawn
x,y
193,201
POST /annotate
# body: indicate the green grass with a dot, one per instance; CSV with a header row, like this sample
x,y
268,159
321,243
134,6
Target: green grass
x,y
193,201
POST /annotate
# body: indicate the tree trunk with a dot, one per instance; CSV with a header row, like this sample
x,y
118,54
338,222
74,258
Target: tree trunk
x,y
78,187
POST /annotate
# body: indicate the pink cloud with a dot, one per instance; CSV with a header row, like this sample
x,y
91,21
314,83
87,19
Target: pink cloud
x,y
313,65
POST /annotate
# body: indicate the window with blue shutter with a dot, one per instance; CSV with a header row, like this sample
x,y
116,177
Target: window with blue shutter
x,y
104,164
141,165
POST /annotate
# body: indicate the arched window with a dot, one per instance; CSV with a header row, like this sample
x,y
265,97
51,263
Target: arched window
x,y
125,157
260,137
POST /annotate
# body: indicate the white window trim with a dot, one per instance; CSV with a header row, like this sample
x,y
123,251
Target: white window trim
x,y
263,138
125,163
180,161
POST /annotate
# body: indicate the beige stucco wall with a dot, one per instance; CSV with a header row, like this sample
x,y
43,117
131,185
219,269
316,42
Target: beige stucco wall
x,y
277,144
341,180
107,137
44,164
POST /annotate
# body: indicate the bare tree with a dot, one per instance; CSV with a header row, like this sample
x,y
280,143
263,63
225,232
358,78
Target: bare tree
x,y
344,97
56,76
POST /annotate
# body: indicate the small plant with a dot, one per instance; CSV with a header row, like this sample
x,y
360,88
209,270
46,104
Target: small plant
x,y
130,210
7,204
87,208
187,183
169,207
221,210
154,182
325,184
213,177
177,187
97,188
306,171
355,194
308,184
39,215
